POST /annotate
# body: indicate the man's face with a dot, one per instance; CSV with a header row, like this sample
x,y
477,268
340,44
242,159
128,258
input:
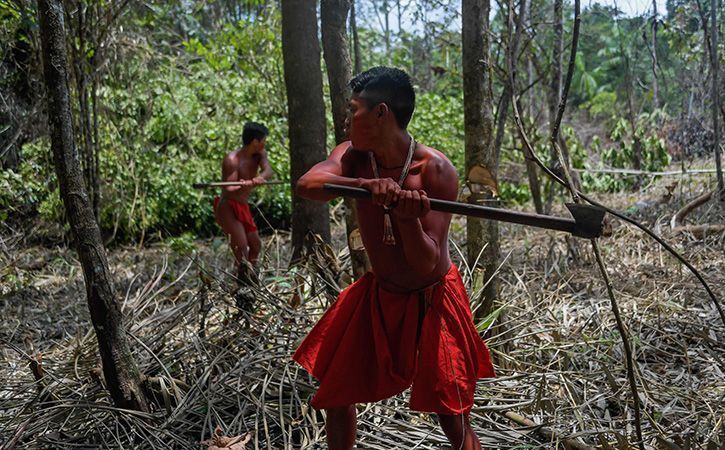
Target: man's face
x,y
261,143
362,124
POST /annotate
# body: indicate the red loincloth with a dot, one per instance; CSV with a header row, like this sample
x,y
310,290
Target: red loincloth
x,y
373,344
241,212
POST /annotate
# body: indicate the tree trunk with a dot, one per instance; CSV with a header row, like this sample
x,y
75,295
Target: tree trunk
x,y
637,145
716,98
554,94
655,87
556,62
119,368
355,40
478,127
386,8
84,68
306,114
514,32
333,15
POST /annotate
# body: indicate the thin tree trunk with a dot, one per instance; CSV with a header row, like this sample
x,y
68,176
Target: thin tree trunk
x,y
478,123
637,145
655,87
355,39
716,98
333,15
556,62
386,8
554,93
119,368
514,32
306,114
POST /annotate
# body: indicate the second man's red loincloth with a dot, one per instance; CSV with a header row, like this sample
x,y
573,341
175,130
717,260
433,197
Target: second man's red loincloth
x,y
373,344
241,212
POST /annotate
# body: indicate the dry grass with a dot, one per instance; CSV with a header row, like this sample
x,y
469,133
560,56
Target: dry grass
x,y
558,354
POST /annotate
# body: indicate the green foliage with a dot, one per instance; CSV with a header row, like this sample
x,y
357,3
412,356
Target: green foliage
x,y
168,121
602,104
438,123
32,184
184,244
618,152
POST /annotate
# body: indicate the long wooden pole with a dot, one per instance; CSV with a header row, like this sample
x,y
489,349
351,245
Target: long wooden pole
x,y
235,183
587,222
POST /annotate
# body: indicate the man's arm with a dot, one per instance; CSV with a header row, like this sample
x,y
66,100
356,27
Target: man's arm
x,y
266,168
423,231
336,170
328,171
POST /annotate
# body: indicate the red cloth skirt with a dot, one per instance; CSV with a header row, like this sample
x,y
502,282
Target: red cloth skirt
x,y
373,344
241,212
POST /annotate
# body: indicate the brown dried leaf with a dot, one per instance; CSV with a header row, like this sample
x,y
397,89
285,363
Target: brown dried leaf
x,y
221,442
481,176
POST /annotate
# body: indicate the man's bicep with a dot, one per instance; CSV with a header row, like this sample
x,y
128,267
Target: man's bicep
x,y
229,170
439,182
334,164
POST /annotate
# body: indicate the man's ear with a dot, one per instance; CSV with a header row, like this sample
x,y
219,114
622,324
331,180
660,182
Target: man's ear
x,y
382,109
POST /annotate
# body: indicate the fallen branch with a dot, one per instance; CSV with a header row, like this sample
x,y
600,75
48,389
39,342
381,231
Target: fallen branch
x,y
700,231
680,215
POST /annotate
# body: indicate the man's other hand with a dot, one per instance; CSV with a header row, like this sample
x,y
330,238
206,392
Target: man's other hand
x,y
385,190
412,205
256,181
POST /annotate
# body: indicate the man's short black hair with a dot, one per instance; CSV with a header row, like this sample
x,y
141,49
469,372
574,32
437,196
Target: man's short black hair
x,y
252,131
387,85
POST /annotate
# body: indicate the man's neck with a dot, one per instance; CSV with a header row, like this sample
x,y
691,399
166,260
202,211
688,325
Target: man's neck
x,y
393,150
247,150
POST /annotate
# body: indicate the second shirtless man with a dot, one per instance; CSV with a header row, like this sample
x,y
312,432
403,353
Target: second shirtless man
x,y
248,164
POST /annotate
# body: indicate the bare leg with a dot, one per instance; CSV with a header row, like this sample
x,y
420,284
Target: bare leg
x,y
459,432
341,427
233,229
255,246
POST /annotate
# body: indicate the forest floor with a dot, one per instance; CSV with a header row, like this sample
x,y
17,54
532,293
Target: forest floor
x,y
558,354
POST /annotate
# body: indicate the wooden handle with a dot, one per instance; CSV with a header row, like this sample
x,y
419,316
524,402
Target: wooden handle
x,y
235,183
580,229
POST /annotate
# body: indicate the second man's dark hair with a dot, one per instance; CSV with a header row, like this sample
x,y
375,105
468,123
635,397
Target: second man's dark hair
x,y
252,131
387,85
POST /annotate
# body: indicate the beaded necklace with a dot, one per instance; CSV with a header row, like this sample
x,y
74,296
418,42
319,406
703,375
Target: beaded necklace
x,y
388,237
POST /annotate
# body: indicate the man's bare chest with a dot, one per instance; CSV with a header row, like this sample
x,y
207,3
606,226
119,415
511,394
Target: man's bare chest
x,y
248,167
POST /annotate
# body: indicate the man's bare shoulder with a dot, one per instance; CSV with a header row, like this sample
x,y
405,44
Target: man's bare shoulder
x,y
348,156
232,157
436,164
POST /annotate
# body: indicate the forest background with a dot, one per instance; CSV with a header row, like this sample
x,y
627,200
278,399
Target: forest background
x,y
167,87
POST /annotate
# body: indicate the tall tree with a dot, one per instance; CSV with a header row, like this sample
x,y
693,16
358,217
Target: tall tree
x,y
655,87
555,99
355,38
481,162
514,31
716,97
557,49
119,368
631,114
306,114
554,93
333,16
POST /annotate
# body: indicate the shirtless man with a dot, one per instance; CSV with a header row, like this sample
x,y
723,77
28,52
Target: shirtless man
x,y
408,321
231,210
